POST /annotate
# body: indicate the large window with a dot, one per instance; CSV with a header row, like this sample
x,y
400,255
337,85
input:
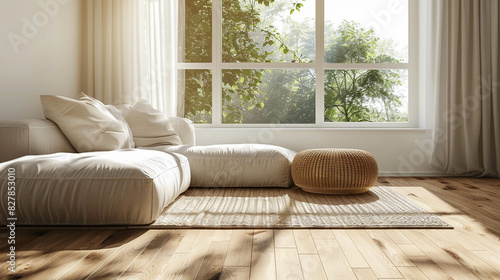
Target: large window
x,y
298,62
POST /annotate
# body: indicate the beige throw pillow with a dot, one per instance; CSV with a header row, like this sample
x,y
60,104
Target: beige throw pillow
x,y
114,111
149,126
87,124
130,137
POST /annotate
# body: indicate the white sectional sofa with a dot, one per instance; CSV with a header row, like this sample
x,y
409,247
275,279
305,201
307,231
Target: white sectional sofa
x,y
55,185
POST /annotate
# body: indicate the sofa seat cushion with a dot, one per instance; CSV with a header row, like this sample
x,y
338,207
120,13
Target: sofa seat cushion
x,y
123,187
236,165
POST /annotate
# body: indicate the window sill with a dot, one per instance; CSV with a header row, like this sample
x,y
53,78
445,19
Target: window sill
x,y
307,128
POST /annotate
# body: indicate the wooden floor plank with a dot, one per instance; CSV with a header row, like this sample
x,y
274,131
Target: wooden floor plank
x,y
173,268
239,253
374,256
398,237
222,235
488,258
322,233
355,258
391,250
144,259
334,261
477,232
22,238
62,261
312,267
411,250
161,260
114,266
446,262
288,264
365,274
197,255
189,241
263,257
412,273
211,267
284,238
103,252
448,189
304,241
235,273
463,256
430,268
60,256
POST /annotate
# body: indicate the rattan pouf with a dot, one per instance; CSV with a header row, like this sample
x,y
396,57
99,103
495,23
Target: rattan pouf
x,y
334,171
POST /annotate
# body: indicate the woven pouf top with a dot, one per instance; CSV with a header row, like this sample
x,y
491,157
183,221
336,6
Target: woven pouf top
x,y
334,171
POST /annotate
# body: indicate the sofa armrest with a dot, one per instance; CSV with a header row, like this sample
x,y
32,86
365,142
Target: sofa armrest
x,y
31,137
185,128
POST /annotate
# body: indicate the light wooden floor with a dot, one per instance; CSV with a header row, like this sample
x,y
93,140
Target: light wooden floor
x,y
470,251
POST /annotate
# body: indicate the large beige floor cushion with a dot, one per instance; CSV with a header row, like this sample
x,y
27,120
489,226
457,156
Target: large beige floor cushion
x,y
97,188
236,165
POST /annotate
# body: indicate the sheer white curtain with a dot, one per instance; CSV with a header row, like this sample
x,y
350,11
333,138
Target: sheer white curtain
x,y
130,52
467,86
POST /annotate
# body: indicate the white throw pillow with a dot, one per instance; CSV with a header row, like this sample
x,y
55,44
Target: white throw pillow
x,y
87,124
114,111
149,126
130,137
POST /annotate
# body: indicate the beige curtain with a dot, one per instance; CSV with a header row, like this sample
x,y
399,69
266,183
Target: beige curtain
x,y
467,87
130,52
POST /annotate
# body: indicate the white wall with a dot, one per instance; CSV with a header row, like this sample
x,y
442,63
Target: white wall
x,y
402,152
48,55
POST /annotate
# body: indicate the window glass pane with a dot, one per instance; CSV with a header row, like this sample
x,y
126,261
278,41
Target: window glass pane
x,y
196,36
366,31
366,96
256,96
197,88
273,31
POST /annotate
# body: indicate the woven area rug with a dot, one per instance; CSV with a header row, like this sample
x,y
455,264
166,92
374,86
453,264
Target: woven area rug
x,y
293,208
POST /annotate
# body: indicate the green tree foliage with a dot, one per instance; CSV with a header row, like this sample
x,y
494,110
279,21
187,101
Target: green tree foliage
x,y
242,89
248,36
198,101
197,48
290,98
360,95
198,31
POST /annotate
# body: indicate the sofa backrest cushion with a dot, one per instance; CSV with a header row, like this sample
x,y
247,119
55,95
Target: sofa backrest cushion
x,y
40,136
31,137
185,129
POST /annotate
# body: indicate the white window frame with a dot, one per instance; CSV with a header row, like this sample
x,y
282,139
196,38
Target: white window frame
x,y
217,66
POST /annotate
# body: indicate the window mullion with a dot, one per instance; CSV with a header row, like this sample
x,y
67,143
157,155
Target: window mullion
x,y
266,65
217,62
370,66
320,62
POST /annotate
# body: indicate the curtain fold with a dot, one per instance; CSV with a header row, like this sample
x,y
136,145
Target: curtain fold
x,y
467,87
130,52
